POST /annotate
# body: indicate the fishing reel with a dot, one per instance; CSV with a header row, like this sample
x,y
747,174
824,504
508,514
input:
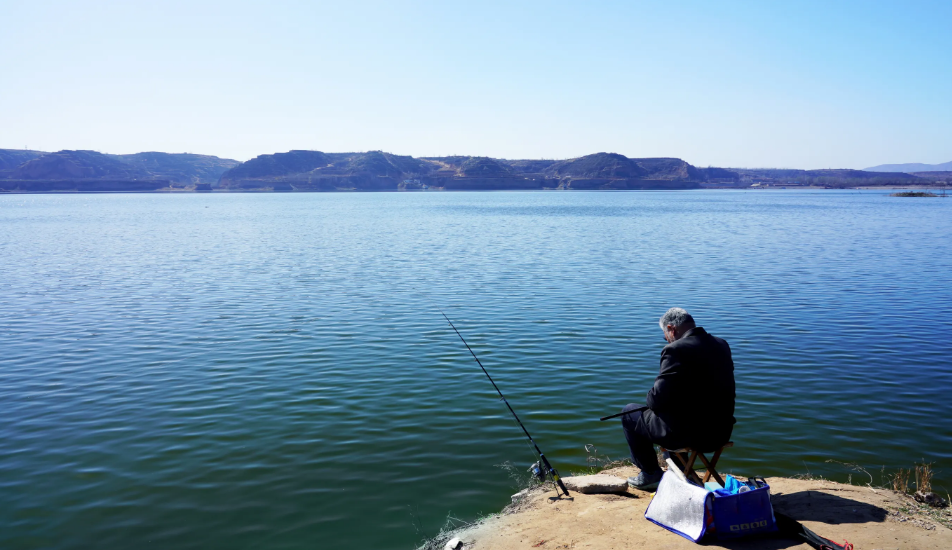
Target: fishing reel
x,y
538,471
541,471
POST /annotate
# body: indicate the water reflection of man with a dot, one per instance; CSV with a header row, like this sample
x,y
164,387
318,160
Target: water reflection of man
x,y
691,403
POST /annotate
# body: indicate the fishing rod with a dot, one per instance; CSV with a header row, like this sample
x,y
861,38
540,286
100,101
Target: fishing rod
x,y
623,413
540,469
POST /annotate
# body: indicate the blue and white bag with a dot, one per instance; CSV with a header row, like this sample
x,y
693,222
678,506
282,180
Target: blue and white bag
x,y
690,511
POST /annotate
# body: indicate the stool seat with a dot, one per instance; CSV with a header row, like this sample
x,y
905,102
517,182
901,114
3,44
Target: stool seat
x,y
688,463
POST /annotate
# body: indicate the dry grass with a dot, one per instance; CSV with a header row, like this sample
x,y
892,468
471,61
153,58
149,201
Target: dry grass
x,y
900,481
924,477
921,474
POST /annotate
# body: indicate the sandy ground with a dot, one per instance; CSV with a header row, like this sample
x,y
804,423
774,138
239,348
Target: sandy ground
x,y
869,518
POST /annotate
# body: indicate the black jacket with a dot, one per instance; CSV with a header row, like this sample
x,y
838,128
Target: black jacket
x,y
692,401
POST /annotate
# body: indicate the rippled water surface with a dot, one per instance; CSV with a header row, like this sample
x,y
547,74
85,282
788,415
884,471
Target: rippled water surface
x,y
271,371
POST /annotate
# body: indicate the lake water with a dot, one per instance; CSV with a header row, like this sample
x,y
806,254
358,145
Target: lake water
x,y
271,370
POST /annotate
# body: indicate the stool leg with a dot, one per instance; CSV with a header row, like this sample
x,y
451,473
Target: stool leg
x,y
710,468
689,471
713,463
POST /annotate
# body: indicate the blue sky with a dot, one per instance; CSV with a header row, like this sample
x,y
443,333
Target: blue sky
x,y
786,84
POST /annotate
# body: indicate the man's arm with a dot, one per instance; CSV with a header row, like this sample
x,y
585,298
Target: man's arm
x,y
663,395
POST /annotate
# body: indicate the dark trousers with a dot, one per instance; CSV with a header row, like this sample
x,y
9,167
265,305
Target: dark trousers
x,y
639,441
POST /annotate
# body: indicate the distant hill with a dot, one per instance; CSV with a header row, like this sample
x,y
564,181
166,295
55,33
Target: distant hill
x,y
183,168
319,171
613,165
529,166
77,165
669,169
711,174
824,178
11,158
278,164
377,170
911,167
380,164
599,165
93,171
302,170
484,167
937,177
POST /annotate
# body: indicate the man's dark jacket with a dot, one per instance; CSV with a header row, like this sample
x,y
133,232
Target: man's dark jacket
x,y
692,401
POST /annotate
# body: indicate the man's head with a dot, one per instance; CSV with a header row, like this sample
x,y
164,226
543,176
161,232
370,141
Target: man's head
x,y
675,322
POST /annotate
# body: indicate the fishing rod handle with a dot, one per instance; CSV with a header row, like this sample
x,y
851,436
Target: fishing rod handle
x,y
623,413
555,474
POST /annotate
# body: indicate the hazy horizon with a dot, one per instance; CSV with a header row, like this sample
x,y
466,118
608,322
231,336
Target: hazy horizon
x,y
739,84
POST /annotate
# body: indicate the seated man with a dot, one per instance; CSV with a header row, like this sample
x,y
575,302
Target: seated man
x,y
691,403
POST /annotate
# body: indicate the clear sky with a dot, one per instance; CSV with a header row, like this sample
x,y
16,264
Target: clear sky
x,y
763,83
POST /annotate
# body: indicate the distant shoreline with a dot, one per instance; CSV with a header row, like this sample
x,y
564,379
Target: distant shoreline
x,y
81,171
186,191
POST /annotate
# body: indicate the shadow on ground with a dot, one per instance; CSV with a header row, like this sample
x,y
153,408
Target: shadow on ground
x,y
807,506
826,508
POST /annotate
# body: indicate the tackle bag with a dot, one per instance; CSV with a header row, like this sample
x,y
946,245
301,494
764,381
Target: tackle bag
x,y
743,514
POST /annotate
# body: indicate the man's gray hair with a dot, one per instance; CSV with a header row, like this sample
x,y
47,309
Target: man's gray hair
x,y
676,317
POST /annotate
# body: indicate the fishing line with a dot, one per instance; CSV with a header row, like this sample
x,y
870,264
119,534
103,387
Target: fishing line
x,y
541,469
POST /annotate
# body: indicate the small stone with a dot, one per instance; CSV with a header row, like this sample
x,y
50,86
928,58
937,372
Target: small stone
x,y
596,484
453,544
520,495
